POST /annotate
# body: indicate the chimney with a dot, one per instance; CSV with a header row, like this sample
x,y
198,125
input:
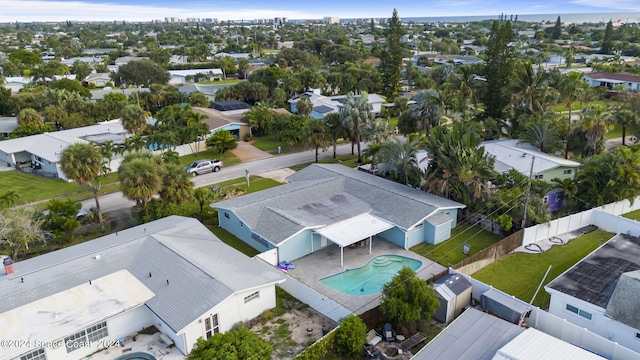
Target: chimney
x,y
8,265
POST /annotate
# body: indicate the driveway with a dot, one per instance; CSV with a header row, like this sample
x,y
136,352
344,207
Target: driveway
x,y
247,152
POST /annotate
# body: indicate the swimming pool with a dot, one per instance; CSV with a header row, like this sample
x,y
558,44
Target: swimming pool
x,y
370,278
136,356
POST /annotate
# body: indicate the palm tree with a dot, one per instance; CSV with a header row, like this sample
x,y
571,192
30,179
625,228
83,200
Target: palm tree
x,y
177,185
464,83
625,118
401,156
9,198
596,124
542,135
222,140
304,107
204,195
426,108
569,85
315,134
528,89
29,116
568,188
356,113
140,178
107,149
259,117
134,118
83,163
335,129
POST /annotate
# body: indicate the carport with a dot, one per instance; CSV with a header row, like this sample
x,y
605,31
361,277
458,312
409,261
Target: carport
x,y
352,230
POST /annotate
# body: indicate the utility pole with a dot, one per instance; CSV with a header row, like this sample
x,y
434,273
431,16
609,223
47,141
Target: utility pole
x,y
526,199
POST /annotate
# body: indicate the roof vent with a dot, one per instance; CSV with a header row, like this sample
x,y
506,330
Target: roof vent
x,y
524,155
97,257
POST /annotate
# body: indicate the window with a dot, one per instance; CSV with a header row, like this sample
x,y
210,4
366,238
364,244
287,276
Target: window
x,y
637,335
98,331
539,177
567,172
573,309
86,336
585,314
33,355
419,226
226,214
582,313
255,295
73,342
211,326
545,200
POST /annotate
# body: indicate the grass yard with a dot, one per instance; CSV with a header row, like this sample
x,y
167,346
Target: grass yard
x,y
519,274
450,252
269,144
233,241
634,215
576,105
615,133
31,188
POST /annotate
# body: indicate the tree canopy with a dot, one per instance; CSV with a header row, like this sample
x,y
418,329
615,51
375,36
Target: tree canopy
x,y
239,344
407,298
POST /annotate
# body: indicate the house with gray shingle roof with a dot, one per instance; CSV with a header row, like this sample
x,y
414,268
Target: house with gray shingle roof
x,y
326,204
601,292
324,105
172,273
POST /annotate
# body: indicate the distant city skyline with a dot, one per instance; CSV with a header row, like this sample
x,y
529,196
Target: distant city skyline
x,y
146,10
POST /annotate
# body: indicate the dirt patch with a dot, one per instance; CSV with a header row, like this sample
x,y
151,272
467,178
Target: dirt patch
x,y
292,331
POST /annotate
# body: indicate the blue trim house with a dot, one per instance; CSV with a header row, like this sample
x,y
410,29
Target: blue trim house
x,y
326,204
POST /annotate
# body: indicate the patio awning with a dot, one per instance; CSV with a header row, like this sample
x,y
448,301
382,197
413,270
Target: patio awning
x,y
354,229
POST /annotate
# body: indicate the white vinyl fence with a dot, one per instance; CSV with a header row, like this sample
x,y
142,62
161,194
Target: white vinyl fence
x,y
605,217
561,328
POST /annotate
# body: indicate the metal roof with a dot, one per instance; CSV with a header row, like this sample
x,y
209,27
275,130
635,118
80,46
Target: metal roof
x,y
229,105
455,282
171,257
323,109
510,154
474,335
595,277
354,229
533,344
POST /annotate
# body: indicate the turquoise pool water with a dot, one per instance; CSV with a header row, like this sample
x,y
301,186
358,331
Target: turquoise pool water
x,y
370,278
136,356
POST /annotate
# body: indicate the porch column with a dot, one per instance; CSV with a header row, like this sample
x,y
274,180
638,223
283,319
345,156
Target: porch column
x,y
341,256
370,241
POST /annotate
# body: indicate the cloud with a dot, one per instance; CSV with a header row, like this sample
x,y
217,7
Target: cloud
x,y
40,10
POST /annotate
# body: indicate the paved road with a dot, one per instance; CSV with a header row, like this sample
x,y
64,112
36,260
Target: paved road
x,y
116,201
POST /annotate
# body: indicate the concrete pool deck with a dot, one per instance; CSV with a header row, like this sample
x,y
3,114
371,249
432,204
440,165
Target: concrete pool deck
x,y
326,262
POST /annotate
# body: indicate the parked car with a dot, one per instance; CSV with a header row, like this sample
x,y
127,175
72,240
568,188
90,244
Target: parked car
x,y
204,166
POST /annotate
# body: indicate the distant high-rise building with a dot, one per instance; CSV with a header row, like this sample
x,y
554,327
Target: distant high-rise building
x,y
331,20
280,20
210,21
193,20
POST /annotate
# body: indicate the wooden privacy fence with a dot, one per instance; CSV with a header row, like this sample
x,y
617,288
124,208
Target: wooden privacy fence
x,y
489,255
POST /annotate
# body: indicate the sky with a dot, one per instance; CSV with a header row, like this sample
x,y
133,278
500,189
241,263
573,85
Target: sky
x,y
147,10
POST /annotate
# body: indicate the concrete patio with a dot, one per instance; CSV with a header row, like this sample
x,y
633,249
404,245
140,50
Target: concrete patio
x,y
326,262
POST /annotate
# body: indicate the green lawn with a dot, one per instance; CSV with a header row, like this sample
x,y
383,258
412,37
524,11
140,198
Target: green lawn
x,y
32,188
269,144
233,241
615,133
576,105
519,274
450,252
634,215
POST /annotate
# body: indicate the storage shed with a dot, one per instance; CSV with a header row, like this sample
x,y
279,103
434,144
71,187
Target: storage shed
x,y
454,293
504,306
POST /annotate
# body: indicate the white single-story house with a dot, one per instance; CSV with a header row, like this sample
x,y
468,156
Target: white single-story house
x,y
208,90
327,204
16,83
601,293
97,95
98,79
609,80
179,77
172,273
42,152
89,60
324,105
127,59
